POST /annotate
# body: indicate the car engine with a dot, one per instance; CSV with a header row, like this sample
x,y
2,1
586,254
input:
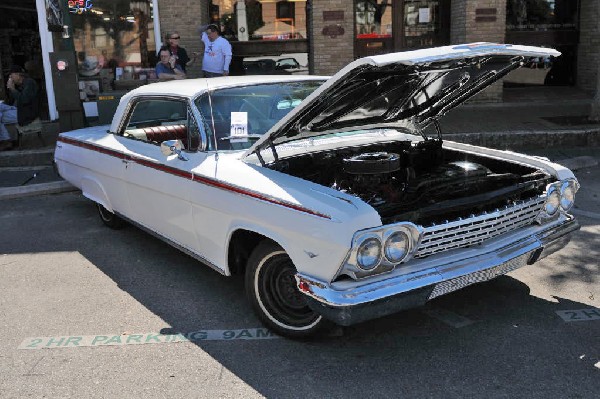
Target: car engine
x,y
419,182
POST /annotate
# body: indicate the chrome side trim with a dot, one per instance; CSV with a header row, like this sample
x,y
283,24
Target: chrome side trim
x,y
174,244
443,278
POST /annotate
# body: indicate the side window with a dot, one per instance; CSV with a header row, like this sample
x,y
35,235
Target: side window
x,y
158,120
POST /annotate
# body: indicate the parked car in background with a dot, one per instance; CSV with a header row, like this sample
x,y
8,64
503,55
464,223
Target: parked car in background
x,y
327,194
273,66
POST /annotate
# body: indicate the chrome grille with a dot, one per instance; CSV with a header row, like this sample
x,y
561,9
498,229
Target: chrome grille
x,y
478,228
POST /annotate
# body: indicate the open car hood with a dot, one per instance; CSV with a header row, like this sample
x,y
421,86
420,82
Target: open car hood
x,y
406,90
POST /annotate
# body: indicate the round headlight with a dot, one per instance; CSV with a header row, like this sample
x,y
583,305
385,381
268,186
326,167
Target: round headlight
x,y
567,197
552,201
396,247
368,255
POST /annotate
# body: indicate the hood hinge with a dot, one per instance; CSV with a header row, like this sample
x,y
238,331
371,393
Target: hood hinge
x,y
271,145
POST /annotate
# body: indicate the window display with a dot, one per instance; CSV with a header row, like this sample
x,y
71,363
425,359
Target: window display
x,y
422,23
541,15
114,40
260,20
373,19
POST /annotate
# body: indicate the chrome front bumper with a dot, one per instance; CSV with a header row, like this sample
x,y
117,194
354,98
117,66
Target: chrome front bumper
x,y
388,295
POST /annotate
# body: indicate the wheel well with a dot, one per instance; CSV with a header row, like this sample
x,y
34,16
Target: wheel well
x,y
241,245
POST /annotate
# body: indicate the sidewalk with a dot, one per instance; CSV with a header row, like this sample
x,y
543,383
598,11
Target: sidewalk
x,y
548,121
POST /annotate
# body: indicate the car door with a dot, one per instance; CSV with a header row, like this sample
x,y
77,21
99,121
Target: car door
x,y
158,186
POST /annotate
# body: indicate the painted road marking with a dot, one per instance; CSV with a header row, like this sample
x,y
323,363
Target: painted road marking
x,y
450,318
148,338
579,315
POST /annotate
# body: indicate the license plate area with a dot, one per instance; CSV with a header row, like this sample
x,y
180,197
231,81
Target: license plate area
x,y
480,276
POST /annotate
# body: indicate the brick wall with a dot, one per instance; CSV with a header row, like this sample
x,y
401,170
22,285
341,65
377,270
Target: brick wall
x,y
588,54
185,16
481,30
458,27
474,21
330,54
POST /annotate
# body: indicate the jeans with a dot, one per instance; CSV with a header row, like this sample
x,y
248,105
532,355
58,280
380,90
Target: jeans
x,y
8,114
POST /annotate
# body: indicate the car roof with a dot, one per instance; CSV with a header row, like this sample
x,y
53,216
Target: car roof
x,y
193,87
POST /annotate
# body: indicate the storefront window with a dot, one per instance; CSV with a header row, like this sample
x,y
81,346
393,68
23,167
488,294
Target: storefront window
x,y
547,23
541,15
373,19
260,20
422,23
114,41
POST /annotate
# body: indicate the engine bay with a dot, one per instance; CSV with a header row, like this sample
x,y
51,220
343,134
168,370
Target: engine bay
x,y
419,182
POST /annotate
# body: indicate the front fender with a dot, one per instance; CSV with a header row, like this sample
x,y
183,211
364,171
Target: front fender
x,y
313,255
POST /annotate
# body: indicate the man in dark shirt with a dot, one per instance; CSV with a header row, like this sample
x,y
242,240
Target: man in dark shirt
x,y
23,96
167,68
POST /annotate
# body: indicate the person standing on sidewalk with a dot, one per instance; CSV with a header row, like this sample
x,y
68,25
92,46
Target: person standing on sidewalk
x,y
217,53
23,106
181,56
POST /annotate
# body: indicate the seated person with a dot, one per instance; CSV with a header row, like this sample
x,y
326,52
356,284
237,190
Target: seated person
x,y
23,104
167,69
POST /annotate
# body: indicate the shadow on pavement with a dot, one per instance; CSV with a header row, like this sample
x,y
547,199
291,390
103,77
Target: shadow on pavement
x,y
514,337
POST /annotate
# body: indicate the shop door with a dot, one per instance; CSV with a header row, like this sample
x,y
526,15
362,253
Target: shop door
x,y
425,23
374,30
384,26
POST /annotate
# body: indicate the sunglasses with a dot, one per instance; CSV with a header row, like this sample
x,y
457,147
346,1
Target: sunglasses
x,y
175,38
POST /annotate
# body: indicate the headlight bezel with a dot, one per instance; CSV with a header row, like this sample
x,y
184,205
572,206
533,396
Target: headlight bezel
x,y
571,185
351,266
388,235
371,238
556,192
553,192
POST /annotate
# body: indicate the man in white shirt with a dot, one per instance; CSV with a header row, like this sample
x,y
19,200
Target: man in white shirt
x,y
217,53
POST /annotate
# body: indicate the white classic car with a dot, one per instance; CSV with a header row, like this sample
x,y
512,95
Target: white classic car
x,y
327,194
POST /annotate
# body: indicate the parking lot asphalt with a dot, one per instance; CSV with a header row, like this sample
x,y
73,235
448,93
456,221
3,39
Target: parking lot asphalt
x,y
86,311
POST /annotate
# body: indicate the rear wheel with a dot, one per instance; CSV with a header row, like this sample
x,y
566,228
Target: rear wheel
x,y
109,218
272,291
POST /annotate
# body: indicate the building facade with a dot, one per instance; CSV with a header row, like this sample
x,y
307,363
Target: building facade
x,y
114,42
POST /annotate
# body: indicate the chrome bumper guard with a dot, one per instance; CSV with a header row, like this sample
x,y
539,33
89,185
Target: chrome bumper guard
x,y
380,298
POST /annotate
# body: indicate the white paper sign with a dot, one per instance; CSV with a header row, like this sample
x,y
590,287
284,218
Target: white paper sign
x,y
239,127
424,17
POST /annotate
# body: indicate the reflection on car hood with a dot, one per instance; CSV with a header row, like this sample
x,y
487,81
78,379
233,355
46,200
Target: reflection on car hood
x,y
407,90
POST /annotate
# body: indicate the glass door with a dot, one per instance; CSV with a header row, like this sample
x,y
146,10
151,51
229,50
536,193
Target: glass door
x,y
373,27
385,26
426,23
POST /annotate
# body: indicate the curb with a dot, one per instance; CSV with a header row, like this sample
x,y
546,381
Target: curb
x,y
578,162
36,189
534,139
32,157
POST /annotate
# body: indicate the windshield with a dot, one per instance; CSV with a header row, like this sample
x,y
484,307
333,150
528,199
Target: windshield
x,y
239,116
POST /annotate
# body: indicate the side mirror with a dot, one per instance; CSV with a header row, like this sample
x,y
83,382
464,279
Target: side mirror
x,y
171,147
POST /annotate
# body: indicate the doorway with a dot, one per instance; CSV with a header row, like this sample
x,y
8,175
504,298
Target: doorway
x,y
384,26
20,45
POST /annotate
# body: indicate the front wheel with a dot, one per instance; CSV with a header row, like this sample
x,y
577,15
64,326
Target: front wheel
x,y
109,218
272,292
